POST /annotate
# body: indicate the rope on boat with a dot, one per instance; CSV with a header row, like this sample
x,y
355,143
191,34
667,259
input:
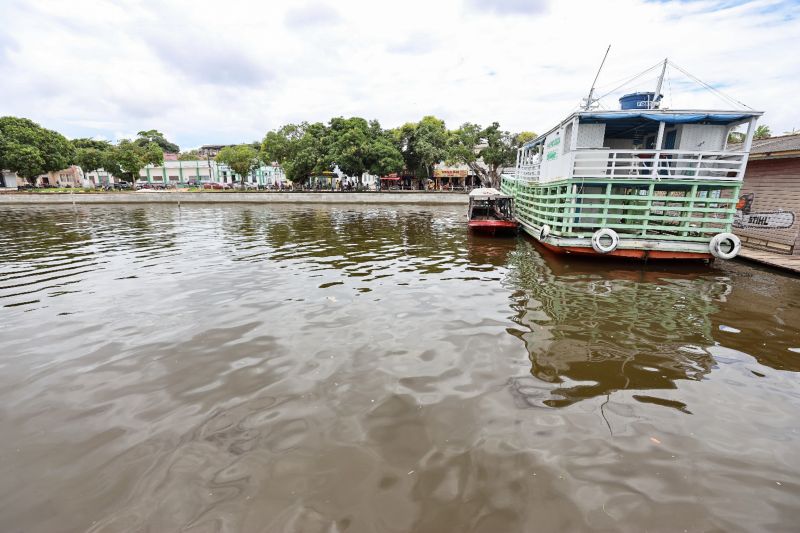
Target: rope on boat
x,y
710,88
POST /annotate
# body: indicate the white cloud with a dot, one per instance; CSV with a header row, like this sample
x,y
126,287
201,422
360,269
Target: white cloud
x,y
205,72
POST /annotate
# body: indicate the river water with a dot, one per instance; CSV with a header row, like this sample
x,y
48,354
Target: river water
x,y
303,368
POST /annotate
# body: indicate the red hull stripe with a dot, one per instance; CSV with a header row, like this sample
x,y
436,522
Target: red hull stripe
x,y
494,224
629,254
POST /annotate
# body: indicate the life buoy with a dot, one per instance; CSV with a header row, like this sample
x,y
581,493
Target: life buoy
x,y
715,246
544,231
601,248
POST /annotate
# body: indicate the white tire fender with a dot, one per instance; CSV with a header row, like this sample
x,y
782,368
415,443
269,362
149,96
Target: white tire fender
x,y
715,246
598,245
544,231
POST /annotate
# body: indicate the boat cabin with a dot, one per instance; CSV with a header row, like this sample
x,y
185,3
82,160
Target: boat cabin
x,y
490,204
638,141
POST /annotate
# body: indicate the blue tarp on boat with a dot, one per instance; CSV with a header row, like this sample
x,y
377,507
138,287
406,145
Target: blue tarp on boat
x,y
669,118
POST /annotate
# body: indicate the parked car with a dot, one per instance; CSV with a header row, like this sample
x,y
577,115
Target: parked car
x,y
216,185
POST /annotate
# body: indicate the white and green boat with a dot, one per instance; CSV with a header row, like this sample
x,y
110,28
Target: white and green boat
x,y
640,182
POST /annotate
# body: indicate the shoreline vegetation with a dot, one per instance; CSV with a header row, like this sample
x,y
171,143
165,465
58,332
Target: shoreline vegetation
x,y
352,146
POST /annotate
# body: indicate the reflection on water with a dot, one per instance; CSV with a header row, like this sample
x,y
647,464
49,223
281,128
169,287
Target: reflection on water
x,y
305,368
594,331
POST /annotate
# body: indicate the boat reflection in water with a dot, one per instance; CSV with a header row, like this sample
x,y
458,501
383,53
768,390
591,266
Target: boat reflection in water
x,y
592,329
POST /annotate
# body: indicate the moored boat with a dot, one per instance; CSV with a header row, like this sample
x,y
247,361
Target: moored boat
x,y
642,182
491,213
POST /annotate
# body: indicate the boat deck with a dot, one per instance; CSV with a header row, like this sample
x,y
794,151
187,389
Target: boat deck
x,y
790,263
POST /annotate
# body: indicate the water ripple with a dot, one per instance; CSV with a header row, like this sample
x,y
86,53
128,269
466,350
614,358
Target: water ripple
x,y
307,368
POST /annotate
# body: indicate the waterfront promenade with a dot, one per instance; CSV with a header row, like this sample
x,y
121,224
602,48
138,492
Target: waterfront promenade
x,y
404,197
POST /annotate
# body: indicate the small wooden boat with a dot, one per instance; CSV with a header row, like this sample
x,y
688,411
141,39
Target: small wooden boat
x,y
491,213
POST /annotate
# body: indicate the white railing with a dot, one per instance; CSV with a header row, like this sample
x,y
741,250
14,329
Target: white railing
x,y
659,164
528,172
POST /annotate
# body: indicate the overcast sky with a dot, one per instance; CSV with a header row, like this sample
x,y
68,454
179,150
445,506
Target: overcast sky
x,y
227,71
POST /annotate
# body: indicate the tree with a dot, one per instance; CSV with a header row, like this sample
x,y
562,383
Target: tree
x,y
762,132
299,148
357,146
404,138
191,155
129,158
422,144
91,154
242,159
430,143
29,149
384,157
154,136
347,145
486,151
90,159
525,136
84,142
735,137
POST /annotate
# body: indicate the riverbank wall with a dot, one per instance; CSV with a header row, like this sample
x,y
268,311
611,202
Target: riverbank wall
x,y
367,198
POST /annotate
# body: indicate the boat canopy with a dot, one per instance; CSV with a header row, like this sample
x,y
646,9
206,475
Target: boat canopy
x,y
487,192
623,121
681,118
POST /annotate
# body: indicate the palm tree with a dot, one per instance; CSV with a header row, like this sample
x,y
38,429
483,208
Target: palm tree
x,y
762,132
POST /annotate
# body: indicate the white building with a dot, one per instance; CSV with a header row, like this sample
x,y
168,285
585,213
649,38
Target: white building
x,y
9,180
176,173
101,178
179,172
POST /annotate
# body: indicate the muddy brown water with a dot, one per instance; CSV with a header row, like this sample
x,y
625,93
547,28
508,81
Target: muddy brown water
x,y
307,368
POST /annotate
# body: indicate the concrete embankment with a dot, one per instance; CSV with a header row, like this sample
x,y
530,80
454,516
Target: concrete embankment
x,y
410,197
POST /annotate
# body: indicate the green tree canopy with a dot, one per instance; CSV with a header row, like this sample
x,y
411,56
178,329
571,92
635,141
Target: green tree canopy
x,y
242,159
485,150
299,148
191,155
154,136
91,154
128,158
762,132
357,146
90,159
404,139
525,136
29,149
430,143
91,143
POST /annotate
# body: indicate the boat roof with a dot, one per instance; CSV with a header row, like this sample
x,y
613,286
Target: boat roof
x,y
488,192
624,118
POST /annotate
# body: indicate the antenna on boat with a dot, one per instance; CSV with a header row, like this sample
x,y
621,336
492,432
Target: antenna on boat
x,y
589,101
656,103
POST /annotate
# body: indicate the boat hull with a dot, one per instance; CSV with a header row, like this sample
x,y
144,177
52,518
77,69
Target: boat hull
x,y
643,219
640,255
494,227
